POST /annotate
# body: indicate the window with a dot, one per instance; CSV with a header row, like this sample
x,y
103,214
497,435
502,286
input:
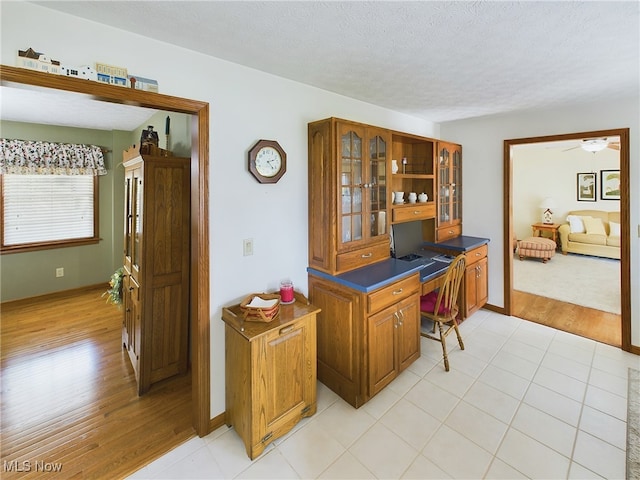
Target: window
x,y
46,211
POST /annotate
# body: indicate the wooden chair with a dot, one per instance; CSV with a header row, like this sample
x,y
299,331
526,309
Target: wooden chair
x,y
441,307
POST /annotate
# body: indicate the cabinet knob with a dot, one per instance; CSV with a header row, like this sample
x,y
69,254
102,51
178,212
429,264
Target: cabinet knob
x,y
416,212
397,292
366,255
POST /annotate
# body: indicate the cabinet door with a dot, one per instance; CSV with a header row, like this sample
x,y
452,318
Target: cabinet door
x,y
283,363
133,325
376,183
476,291
383,366
408,331
449,184
351,216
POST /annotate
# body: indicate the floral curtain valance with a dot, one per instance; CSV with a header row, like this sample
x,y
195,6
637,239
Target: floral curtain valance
x,y
30,157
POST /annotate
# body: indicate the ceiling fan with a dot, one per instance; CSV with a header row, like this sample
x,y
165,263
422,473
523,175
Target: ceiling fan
x,y
594,145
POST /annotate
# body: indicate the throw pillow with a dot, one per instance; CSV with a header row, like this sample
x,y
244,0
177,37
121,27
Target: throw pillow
x,y
614,229
594,226
576,224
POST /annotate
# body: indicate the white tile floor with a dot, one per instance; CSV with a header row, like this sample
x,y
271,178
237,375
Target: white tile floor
x,y
521,401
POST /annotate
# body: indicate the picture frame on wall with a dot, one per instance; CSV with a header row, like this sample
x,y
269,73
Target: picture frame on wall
x,y
610,184
586,187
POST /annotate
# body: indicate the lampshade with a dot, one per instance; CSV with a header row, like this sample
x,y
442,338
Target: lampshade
x,y
594,145
548,203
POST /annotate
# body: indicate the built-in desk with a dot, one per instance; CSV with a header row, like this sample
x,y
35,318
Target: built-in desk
x,y
474,291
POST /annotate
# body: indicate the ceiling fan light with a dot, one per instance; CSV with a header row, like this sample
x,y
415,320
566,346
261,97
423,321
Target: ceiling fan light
x,y
594,145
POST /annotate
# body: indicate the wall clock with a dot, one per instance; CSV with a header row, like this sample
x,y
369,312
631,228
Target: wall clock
x,y
267,161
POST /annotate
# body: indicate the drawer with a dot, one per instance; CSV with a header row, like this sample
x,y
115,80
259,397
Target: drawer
x,y
414,212
393,293
477,254
446,233
361,257
433,284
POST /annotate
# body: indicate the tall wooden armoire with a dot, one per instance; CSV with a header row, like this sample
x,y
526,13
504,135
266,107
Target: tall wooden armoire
x,y
156,262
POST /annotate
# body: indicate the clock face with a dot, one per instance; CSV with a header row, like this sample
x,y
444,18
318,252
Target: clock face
x,y
268,161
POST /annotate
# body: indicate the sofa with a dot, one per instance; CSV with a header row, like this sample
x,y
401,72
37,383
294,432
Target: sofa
x,y
591,232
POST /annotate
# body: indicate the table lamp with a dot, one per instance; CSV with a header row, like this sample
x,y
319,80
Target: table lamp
x,y
547,205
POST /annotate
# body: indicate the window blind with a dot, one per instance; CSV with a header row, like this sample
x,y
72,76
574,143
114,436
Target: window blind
x,y
42,208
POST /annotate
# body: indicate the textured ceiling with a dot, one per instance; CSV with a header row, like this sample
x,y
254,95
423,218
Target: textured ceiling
x,y
435,60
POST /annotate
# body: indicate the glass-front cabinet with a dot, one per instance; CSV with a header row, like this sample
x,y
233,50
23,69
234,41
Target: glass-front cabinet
x,y
349,195
363,188
133,220
449,191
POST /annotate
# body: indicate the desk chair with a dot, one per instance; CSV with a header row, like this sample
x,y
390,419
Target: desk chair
x,y
441,307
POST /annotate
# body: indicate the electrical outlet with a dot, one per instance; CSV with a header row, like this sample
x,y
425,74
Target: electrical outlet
x,y
247,247
60,272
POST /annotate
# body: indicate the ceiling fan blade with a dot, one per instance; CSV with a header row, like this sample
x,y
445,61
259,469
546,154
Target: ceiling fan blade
x,y
614,146
572,148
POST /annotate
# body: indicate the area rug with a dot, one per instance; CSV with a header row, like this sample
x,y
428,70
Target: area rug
x,y
592,282
633,425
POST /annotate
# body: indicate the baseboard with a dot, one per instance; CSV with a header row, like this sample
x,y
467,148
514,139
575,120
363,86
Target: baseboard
x,y
494,308
216,422
54,295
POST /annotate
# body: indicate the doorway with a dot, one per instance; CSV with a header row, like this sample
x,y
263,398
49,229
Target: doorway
x,y
625,297
199,278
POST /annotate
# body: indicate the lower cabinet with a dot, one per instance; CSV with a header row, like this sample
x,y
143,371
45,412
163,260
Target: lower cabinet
x,y
132,324
365,339
270,373
475,292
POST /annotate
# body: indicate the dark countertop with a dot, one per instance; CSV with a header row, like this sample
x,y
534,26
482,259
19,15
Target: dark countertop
x,y
380,274
460,244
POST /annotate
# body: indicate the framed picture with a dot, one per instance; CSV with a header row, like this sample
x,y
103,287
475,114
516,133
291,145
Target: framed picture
x,y
610,184
587,187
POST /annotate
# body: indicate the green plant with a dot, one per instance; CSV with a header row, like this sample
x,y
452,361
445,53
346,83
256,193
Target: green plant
x,y
114,292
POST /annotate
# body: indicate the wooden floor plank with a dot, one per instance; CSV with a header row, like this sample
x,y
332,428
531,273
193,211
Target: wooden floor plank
x,y
69,394
597,325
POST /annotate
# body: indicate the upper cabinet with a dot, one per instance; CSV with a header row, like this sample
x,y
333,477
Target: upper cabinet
x,y
349,165
449,191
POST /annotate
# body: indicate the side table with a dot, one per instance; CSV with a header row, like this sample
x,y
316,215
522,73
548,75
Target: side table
x,y
552,228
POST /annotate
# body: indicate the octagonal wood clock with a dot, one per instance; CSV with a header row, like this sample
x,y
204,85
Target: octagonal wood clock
x,y
267,161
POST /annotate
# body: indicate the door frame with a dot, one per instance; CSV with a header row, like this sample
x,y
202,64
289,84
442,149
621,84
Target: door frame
x,y
625,225
199,321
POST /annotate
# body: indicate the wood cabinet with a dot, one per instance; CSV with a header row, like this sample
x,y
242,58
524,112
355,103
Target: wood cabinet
x,y
449,179
474,292
348,195
156,264
270,373
365,339
414,156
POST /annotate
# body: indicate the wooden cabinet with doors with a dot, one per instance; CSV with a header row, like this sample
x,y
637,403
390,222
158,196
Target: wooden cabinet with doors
x,y
365,339
475,292
348,195
270,373
449,202
156,265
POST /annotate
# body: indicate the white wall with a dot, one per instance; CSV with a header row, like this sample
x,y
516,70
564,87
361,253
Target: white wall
x,y
482,140
245,105
540,172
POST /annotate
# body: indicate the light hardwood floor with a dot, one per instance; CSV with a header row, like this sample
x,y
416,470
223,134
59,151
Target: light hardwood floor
x,y
68,393
597,325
